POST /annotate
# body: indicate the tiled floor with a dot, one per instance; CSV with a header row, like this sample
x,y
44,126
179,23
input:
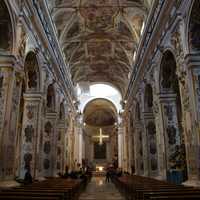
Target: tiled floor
x,y
98,189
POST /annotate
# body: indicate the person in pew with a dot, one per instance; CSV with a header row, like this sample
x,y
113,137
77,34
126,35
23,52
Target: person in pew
x,y
66,174
28,177
73,175
119,172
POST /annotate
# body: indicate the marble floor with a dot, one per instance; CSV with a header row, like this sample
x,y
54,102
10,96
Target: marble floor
x,y
98,189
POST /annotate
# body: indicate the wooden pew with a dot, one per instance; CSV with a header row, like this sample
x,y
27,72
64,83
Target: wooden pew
x,y
53,189
138,188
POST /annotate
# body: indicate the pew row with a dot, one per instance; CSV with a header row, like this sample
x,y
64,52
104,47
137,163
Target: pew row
x,y
50,189
135,187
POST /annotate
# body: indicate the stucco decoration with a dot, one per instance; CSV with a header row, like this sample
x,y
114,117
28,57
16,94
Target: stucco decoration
x,y
99,38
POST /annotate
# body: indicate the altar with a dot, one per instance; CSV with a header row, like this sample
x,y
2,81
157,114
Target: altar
x,y
99,171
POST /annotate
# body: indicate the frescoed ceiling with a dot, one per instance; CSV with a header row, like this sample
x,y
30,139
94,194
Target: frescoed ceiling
x,y
99,113
99,37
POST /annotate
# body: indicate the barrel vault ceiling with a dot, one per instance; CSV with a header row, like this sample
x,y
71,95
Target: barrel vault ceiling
x,y
99,37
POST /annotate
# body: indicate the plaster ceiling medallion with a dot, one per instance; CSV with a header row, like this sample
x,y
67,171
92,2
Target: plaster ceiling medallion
x,y
99,15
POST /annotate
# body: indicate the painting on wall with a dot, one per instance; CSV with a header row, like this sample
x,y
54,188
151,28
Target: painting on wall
x,y
99,150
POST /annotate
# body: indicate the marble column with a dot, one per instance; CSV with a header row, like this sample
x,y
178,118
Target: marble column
x,y
190,96
60,151
138,149
9,102
158,114
120,147
145,147
30,133
171,131
49,144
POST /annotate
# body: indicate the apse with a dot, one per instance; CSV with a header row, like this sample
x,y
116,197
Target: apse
x,y
100,120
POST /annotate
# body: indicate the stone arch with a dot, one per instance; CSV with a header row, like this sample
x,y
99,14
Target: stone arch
x,y
152,146
31,68
6,28
172,111
194,27
168,78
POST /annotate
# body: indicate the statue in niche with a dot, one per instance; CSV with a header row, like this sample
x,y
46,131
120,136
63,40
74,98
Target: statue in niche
x,y
58,151
29,132
140,136
152,148
169,112
154,164
141,151
177,158
151,129
47,147
22,44
30,112
27,159
59,135
41,139
46,164
171,132
58,165
50,96
142,166
62,112
32,79
1,85
48,128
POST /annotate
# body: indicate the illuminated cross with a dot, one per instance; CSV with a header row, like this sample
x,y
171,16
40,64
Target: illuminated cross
x,y
101,136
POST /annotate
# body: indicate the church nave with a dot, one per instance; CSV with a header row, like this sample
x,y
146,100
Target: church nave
x,y
92,86
99,189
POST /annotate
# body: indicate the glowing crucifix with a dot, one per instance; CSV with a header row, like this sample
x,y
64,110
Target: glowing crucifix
x,y
101,136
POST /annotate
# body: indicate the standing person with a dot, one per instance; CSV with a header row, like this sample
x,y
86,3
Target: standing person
x,y
28,177
108,176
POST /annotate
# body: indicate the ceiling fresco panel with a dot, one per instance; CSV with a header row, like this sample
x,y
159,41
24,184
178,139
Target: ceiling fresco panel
x,y
99,37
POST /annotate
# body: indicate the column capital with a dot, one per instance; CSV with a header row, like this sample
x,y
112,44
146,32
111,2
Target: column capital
x,y
51,115
32,96
192,60
7,61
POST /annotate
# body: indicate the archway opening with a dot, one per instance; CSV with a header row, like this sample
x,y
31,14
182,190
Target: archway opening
x,y
194,27
32,72
5,28
101,144
172,114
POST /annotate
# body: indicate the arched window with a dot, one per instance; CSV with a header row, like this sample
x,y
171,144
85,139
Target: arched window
x,y
168,77
194,27
32,71
51,98
148,98
5,28
62,111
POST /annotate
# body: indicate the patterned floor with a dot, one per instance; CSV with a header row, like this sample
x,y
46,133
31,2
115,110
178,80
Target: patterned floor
x,y
98,189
